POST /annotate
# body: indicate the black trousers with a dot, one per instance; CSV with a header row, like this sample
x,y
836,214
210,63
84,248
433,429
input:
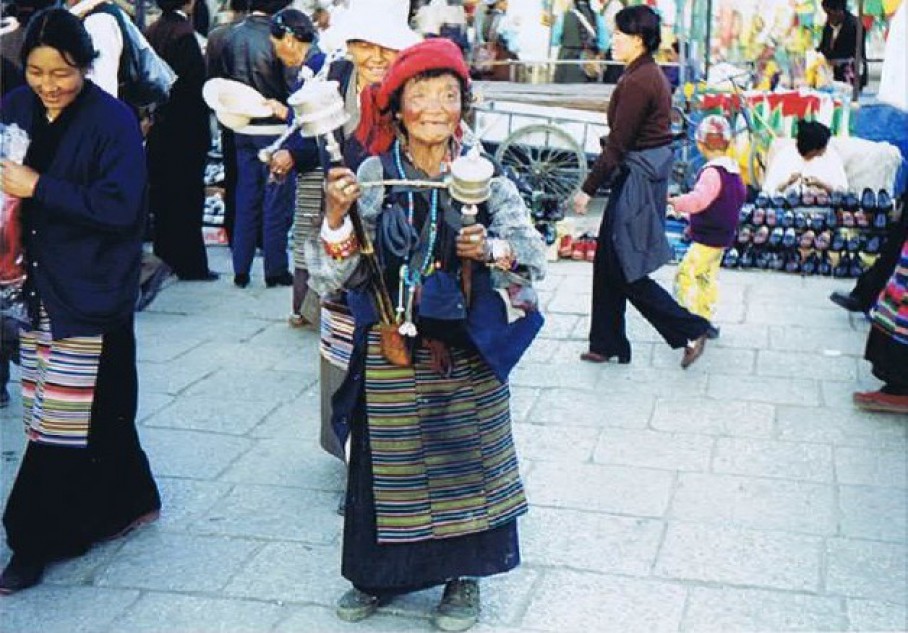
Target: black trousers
x,y
872,281
177,197
612,292
65,499
228,150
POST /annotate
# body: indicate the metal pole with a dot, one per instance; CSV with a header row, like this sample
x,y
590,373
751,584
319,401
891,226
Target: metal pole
x,y
709,35
683,37
858,55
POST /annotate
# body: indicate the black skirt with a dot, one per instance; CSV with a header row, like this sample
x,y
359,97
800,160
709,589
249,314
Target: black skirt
x,y
889,359
65,499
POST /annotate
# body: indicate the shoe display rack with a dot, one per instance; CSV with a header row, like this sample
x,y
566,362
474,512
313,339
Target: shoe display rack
x,y
213,214
839,235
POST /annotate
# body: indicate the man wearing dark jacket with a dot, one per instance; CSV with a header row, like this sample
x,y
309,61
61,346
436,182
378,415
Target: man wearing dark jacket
x,y
213,49
261,204
839,42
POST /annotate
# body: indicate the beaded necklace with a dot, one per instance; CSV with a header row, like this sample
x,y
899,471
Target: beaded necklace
x,y
410,279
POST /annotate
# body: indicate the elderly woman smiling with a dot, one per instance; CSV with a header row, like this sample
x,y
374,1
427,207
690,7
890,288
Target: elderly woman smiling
x,y
433,490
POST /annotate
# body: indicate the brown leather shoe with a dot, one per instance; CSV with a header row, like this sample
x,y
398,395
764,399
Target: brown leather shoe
x,y
693,351
595,357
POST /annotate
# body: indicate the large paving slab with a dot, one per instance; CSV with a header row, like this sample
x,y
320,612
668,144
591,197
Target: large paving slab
x,y
745,494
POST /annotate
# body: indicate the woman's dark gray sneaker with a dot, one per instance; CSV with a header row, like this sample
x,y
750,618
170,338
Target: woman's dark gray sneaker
x,y
459,606
356,605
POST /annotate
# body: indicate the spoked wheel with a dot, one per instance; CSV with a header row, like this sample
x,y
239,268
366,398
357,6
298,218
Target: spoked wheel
x,y
548,158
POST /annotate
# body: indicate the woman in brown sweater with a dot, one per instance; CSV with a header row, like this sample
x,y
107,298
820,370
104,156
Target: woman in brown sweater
x,y
636,161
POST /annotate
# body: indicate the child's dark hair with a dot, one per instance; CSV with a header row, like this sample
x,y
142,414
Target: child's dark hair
x,y
59,29
812,136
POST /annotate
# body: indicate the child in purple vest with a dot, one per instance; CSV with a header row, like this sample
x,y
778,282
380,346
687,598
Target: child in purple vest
x,y
712,208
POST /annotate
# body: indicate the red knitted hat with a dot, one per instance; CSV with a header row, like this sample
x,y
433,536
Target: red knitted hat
x,y
376,125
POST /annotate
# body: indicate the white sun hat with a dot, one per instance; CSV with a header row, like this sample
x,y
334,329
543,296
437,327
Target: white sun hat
x,y
382,22
8,24
235,104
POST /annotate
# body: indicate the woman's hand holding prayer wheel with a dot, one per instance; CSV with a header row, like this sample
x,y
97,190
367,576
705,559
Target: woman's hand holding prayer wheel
x,y
471,243
341,192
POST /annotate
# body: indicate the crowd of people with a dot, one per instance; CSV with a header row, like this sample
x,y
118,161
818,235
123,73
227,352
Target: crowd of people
x,y
433,290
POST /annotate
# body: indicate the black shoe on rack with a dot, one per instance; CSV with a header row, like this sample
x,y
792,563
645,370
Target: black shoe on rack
x,y
283,279
810,265
747,258
868,199
881,219
792,261
850,201
873,245
842,269
20,574
792,199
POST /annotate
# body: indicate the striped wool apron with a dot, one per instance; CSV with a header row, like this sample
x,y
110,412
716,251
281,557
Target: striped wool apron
x,y
58,385
443,459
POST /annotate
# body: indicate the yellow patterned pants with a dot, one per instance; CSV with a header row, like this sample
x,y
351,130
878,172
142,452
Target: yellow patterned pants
x,y
697,279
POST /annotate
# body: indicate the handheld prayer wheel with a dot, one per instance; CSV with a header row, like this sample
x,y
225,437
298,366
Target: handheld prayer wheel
x,y
318,110
471,178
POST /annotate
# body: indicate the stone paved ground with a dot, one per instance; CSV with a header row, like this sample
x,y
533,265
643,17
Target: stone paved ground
x,y
745,494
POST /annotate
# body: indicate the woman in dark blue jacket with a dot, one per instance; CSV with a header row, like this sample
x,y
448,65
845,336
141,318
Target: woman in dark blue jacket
x,y
84,477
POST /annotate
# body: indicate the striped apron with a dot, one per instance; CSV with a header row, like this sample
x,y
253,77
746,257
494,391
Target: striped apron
x,y
443,459
58,385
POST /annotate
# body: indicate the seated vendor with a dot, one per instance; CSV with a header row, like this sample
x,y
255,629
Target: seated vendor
x,y
810,164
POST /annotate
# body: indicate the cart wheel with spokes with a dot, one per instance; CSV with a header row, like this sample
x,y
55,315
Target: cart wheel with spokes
x,y
548,158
